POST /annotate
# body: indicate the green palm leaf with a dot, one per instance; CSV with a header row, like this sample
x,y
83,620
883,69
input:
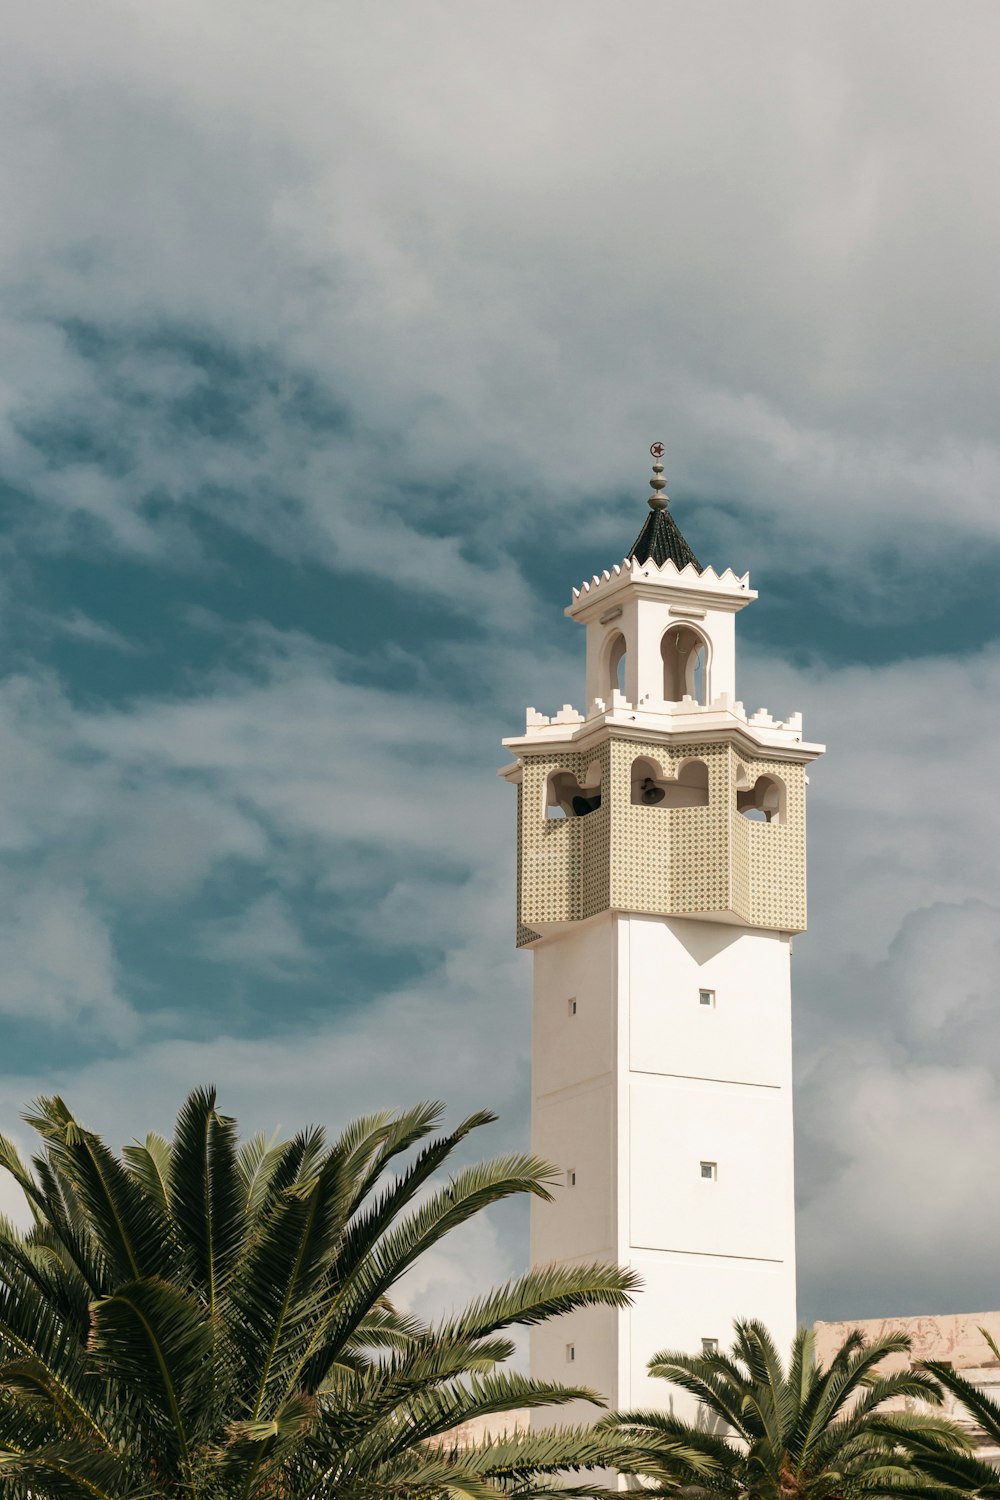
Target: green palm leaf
x,y
153,1338
206,1193
150,1162
257,1160
69,1471
133,1232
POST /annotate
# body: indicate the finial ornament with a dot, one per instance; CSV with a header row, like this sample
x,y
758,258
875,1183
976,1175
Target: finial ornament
x,y
658,500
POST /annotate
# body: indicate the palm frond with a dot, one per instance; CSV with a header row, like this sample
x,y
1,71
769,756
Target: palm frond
x,y
713,1380
281,1285
981,1406
203,1318
132,1231
155,1338
256,1161
68,1471
551,1450
206,1193
150,1161
41,1351
543,1293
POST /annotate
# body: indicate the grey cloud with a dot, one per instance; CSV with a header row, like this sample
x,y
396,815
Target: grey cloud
x,y
58,965
284,769
524,239
264,936
375,1058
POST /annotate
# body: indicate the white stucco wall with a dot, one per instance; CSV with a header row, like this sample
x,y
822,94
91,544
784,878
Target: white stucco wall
x,y
576,1132
632,1092
690,1297
745,1037
675,1124
568,1050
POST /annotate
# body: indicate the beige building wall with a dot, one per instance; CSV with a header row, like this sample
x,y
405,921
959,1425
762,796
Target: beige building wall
x,y
953,1338
495,1427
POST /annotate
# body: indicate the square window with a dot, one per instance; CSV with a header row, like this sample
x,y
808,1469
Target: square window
x,y
570,1353
706,997
710,1170
571,1007
571,1177
710,1346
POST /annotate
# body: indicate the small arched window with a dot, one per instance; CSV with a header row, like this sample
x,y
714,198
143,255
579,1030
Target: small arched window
x,y
692,784
685,664
764,802
647,782
617,657
567,797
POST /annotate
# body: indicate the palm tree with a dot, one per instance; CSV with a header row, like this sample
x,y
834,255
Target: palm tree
x,y
807,1433
206,1319
982,1477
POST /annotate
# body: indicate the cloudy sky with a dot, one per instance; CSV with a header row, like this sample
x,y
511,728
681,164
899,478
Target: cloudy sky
x,y
333,338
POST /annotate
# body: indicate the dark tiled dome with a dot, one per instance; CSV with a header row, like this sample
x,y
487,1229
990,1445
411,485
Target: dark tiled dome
x,y
660,539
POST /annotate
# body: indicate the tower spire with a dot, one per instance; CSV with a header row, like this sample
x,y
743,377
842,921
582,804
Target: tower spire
x,y
659,499
661,538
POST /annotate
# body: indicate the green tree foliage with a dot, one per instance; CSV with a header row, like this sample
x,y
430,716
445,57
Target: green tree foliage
x,y
765,1432
975,1474
208,1319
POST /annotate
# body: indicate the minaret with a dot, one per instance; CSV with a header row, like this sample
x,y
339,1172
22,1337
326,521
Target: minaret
x,y
660,878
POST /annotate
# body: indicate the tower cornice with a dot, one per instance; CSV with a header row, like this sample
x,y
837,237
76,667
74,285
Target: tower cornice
x,y
719,591
689,725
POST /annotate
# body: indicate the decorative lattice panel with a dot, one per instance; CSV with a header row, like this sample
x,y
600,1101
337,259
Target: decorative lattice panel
x,y
669,859
525,935
562,862
660,860
769,859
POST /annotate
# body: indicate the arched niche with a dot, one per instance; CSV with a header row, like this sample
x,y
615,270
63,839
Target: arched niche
x,y
763,801
615,656
651,788
685,656
567,797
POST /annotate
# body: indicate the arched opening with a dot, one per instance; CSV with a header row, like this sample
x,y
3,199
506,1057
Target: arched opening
x,y
617,656
567,797
692,784
764,802
685,664
650,788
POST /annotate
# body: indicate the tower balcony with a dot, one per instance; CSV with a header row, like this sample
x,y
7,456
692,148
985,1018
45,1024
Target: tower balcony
x,y
695,812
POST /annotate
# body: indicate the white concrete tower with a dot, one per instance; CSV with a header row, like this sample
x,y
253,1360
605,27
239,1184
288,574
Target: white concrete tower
x,y
661,875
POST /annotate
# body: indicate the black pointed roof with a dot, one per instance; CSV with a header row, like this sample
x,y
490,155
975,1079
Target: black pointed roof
x,y
660,539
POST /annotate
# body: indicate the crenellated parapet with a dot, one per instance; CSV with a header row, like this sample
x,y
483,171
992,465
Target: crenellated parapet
x,y
686,716
665,575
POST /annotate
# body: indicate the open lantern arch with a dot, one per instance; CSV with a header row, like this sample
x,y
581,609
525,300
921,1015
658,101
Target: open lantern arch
x,y
686,656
